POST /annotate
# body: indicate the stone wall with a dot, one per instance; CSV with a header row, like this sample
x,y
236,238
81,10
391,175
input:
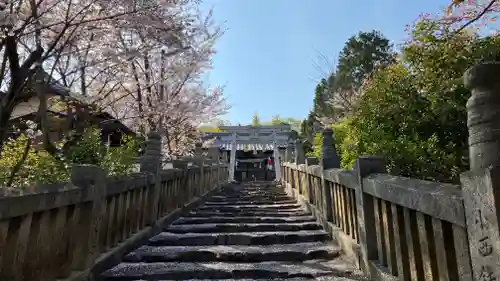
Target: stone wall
x,y
62,229
399,228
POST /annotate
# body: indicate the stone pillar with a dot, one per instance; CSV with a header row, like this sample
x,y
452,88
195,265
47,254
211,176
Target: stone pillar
x,y
329,157
277,160
481,185
180,164
184,180
199,160
87,247
289,152
310,161
365,166
214,153
150,163
232,160
329,160
198,149
282,153
483,115
299,153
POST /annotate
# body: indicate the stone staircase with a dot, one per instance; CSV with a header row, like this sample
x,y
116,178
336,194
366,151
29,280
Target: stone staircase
x,y
246,232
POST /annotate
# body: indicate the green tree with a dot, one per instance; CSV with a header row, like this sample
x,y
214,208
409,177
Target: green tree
x,y
414,112
362,54
294,123
336,95
315,149
276,120
323,94
256,120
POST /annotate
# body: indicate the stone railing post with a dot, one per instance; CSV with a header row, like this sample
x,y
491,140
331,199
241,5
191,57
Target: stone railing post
x,y
299,153
183,164
214,153
282,153
310,161
180,164
365,166
481,185
306,188
199,161
151,164
87,246
329,160
289,152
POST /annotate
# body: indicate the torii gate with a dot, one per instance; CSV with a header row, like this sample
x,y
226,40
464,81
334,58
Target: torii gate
x,y
268,137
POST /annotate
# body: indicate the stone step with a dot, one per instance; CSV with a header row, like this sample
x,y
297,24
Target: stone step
x,y
255,194
234,253
244,233
221,270
249,219
252,199
268,192
319,278
242,227
258,188
238,238
228,198
261,207
250,202
249,214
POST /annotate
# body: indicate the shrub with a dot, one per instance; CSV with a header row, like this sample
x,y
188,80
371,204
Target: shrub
x,y
39,167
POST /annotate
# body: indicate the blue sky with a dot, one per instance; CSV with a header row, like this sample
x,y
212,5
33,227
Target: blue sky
x,y
267,57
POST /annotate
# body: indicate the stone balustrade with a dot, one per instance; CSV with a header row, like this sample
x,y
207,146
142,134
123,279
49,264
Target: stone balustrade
x,y
394,228
398,228
64,231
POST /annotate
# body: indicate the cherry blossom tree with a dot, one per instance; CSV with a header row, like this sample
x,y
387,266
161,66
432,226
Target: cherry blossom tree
x,y
141,60
33,36
160,85
167,93
466,13
460,15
